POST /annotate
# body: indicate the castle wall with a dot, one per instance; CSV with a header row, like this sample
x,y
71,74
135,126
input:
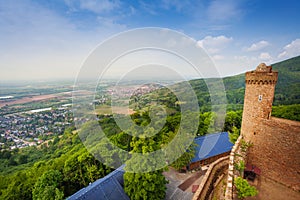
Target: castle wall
x,y
231,175
215,170
276,142
275,150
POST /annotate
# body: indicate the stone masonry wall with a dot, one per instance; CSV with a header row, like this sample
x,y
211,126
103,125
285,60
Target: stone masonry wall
x,y
275,150
259,94
231,176
206,186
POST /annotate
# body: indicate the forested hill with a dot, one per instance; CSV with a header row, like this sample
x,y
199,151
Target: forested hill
x,y
287,88
288,85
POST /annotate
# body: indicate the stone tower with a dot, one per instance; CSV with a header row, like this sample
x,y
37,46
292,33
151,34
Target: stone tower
x,y
276,142
259,94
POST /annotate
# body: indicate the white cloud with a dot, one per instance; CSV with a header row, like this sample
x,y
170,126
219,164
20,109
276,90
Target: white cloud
x,y
110,23
265,56
148,7
291,50
153,7
218,57
258,46
222,10
96,6
214,44
246,59
235,64
179,5
37,42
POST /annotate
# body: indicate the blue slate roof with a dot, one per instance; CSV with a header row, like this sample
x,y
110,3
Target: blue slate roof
x,y
109,187
211,145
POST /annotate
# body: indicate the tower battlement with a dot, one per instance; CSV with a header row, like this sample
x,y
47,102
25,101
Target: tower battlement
x,y
262,75
259,93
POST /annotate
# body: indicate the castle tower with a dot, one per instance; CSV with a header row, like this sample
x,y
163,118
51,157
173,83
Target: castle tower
x,y
259,94
276,142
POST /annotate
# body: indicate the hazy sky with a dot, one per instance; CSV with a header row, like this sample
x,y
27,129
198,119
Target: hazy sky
x,y
50,39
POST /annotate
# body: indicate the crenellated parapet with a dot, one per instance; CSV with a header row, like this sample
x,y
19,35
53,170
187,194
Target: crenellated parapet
x,y
261,78
262,75
259,95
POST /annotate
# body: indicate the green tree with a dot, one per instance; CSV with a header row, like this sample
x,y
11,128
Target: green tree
x,y
244,189
232,119
5,154
291,112
12,162
68,155
47,186
22,159
208,123
80,169
150,185
121,140
185,159
234,135
204,122
19,187
144,186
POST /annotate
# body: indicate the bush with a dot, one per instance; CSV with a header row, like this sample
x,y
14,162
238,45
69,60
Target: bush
x,y
240,166
243,188
234,135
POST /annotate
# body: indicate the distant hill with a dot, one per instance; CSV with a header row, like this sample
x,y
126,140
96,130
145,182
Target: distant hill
x,y
287,90
288,86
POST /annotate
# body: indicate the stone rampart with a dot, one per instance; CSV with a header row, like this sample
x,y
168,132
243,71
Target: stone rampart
x,y
231,175
275,150
206,186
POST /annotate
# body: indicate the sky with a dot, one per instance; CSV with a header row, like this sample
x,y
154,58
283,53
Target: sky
x,y
43,40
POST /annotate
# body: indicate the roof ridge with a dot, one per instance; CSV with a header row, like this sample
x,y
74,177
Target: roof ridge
x,y
209,135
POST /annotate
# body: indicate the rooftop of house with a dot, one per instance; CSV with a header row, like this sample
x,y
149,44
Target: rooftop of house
x,y
211,145
109,187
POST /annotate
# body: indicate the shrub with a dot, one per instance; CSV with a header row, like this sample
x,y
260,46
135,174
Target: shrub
x,y
243,188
